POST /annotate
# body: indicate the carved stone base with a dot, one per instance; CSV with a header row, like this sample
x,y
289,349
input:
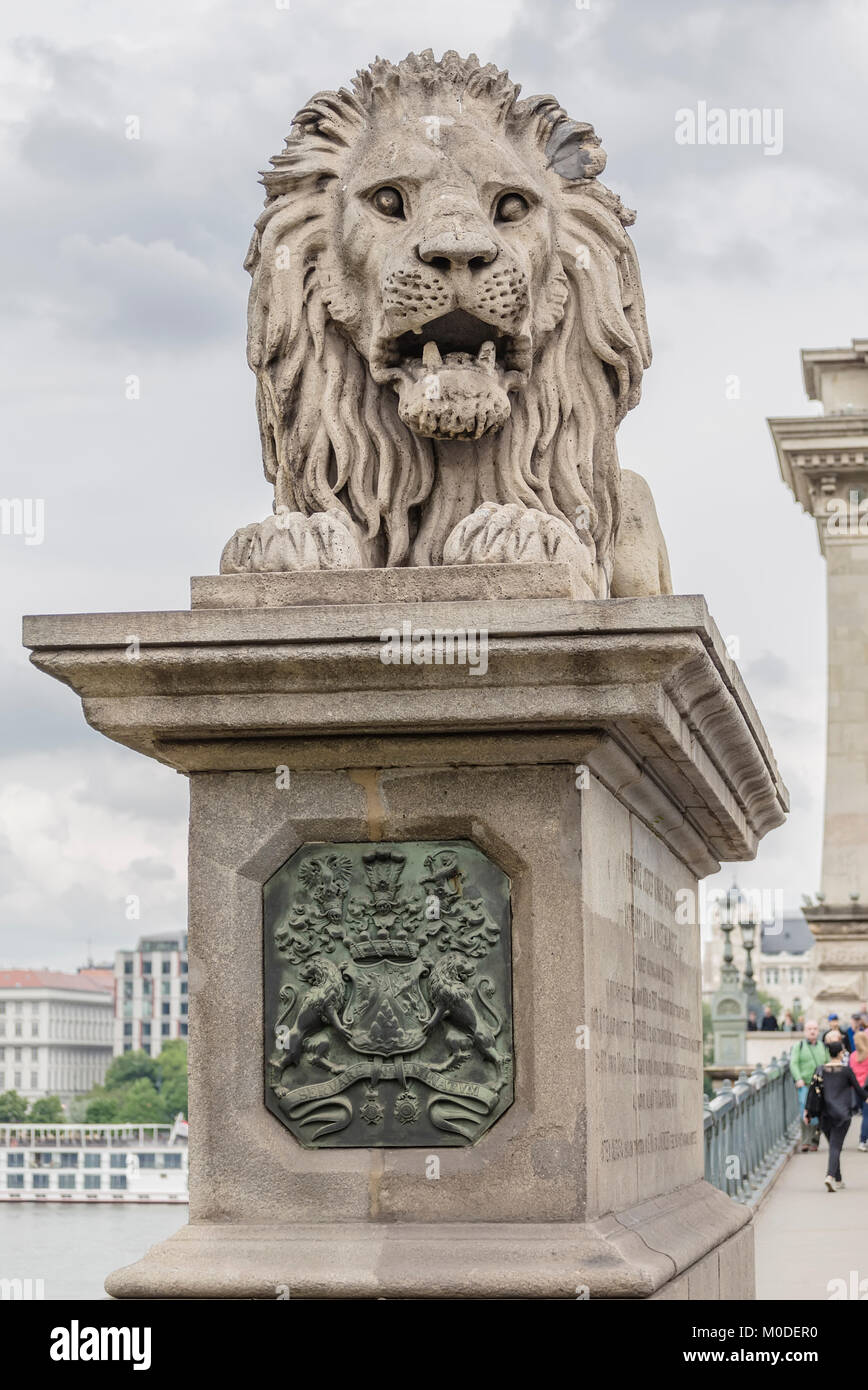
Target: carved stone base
x,y
603,759
840,977
694,1244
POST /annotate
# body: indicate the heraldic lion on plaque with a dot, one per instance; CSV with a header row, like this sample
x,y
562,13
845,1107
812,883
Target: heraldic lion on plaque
x,y
388,994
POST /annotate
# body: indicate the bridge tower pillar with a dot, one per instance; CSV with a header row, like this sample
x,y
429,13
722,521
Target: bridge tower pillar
x,y
824,461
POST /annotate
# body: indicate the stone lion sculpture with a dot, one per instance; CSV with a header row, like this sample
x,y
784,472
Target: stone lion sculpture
x,y
447,325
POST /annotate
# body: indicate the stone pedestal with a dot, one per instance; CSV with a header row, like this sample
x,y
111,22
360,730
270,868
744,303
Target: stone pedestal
x,y
729,1011
824,461
607,759
839,982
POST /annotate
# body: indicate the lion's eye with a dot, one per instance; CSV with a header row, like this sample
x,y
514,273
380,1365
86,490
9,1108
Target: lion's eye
x,y
512,208
389,202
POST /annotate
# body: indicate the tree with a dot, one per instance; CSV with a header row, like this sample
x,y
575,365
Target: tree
x,y
130,1066
140,1089
174,1094
707,1034
102,1111
47,1111
173,1057
141,1104
172,1064
13,1108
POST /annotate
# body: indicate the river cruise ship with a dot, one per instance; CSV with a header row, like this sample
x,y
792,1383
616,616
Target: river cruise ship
x,y
93,1163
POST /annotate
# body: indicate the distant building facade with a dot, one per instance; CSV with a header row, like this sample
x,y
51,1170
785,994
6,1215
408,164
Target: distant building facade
x,y
55,1033
783,965
151,993
787,963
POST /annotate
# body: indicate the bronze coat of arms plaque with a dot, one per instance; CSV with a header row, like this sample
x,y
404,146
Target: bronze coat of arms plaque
x,y
388,994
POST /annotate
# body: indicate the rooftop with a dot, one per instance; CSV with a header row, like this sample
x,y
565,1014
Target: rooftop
x,y
52,979
159,940
795,937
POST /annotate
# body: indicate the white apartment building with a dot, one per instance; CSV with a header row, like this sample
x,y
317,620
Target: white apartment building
x,y
55,1033
786,964
151,997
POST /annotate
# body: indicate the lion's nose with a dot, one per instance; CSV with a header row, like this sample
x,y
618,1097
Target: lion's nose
x,y
448,249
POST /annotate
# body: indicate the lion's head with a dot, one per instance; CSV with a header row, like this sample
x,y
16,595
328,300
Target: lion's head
x,y
318,971
446,309
454,968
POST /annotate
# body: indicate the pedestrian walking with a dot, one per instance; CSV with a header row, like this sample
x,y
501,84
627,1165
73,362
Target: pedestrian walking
x,y
769,1022
832,1097
832,1029
806,1056
859,1065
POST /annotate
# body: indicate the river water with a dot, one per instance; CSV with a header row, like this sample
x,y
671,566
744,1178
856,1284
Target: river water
x,y
72,1248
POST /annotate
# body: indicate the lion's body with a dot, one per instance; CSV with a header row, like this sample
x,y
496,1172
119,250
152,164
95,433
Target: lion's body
x,y
320,1004
450,993
641,558
446,324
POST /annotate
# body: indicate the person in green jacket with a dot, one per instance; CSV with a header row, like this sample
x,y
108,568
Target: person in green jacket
x,y
806,1055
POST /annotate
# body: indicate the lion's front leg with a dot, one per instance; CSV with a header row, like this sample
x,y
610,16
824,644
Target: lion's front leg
x,y
435,1018
292,541
331,1015
511,534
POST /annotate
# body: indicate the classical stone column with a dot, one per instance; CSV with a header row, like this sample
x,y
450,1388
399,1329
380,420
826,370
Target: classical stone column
x,y
824,461
555,806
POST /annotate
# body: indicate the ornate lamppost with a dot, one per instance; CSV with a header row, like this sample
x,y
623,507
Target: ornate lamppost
x,y
729,1002
748,941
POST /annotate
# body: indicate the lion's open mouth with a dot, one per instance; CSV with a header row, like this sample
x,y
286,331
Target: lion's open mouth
x,y
453,374
456,339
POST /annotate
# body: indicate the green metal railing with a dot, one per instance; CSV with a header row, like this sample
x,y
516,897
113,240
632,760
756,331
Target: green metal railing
x,y
750,1128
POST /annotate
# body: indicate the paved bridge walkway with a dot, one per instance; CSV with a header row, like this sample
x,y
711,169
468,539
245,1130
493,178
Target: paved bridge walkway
x,y
807,1237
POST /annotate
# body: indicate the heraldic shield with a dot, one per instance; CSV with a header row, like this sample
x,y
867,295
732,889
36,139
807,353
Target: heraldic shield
x,y
388,994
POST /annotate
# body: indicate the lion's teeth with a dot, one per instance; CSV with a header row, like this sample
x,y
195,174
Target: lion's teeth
x,y
431,356
486,356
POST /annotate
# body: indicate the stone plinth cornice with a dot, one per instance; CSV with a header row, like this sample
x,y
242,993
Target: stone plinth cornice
x,y
674,732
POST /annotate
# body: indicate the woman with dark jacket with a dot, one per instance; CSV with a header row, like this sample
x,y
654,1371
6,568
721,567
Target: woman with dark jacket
x,y
858,1064
832,1095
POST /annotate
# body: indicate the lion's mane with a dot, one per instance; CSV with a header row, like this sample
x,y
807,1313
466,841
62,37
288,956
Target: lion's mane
x,y
332,437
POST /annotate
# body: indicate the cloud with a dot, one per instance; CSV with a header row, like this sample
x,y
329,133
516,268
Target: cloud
x,y
146,295
73,152
770,669
81,870
151,869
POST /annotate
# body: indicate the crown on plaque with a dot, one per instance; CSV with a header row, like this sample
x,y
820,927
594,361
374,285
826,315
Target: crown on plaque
x,y
383,948
382,927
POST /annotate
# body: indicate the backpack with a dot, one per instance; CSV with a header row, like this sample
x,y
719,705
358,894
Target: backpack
x,y
814,1100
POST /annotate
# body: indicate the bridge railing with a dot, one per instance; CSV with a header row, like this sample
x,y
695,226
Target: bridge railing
x,y
750,1128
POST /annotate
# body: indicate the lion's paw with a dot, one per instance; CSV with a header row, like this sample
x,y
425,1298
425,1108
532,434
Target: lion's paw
x,y
292,541
498,534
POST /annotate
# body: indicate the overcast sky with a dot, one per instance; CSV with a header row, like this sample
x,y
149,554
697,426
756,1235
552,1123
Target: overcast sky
x,y
124,257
